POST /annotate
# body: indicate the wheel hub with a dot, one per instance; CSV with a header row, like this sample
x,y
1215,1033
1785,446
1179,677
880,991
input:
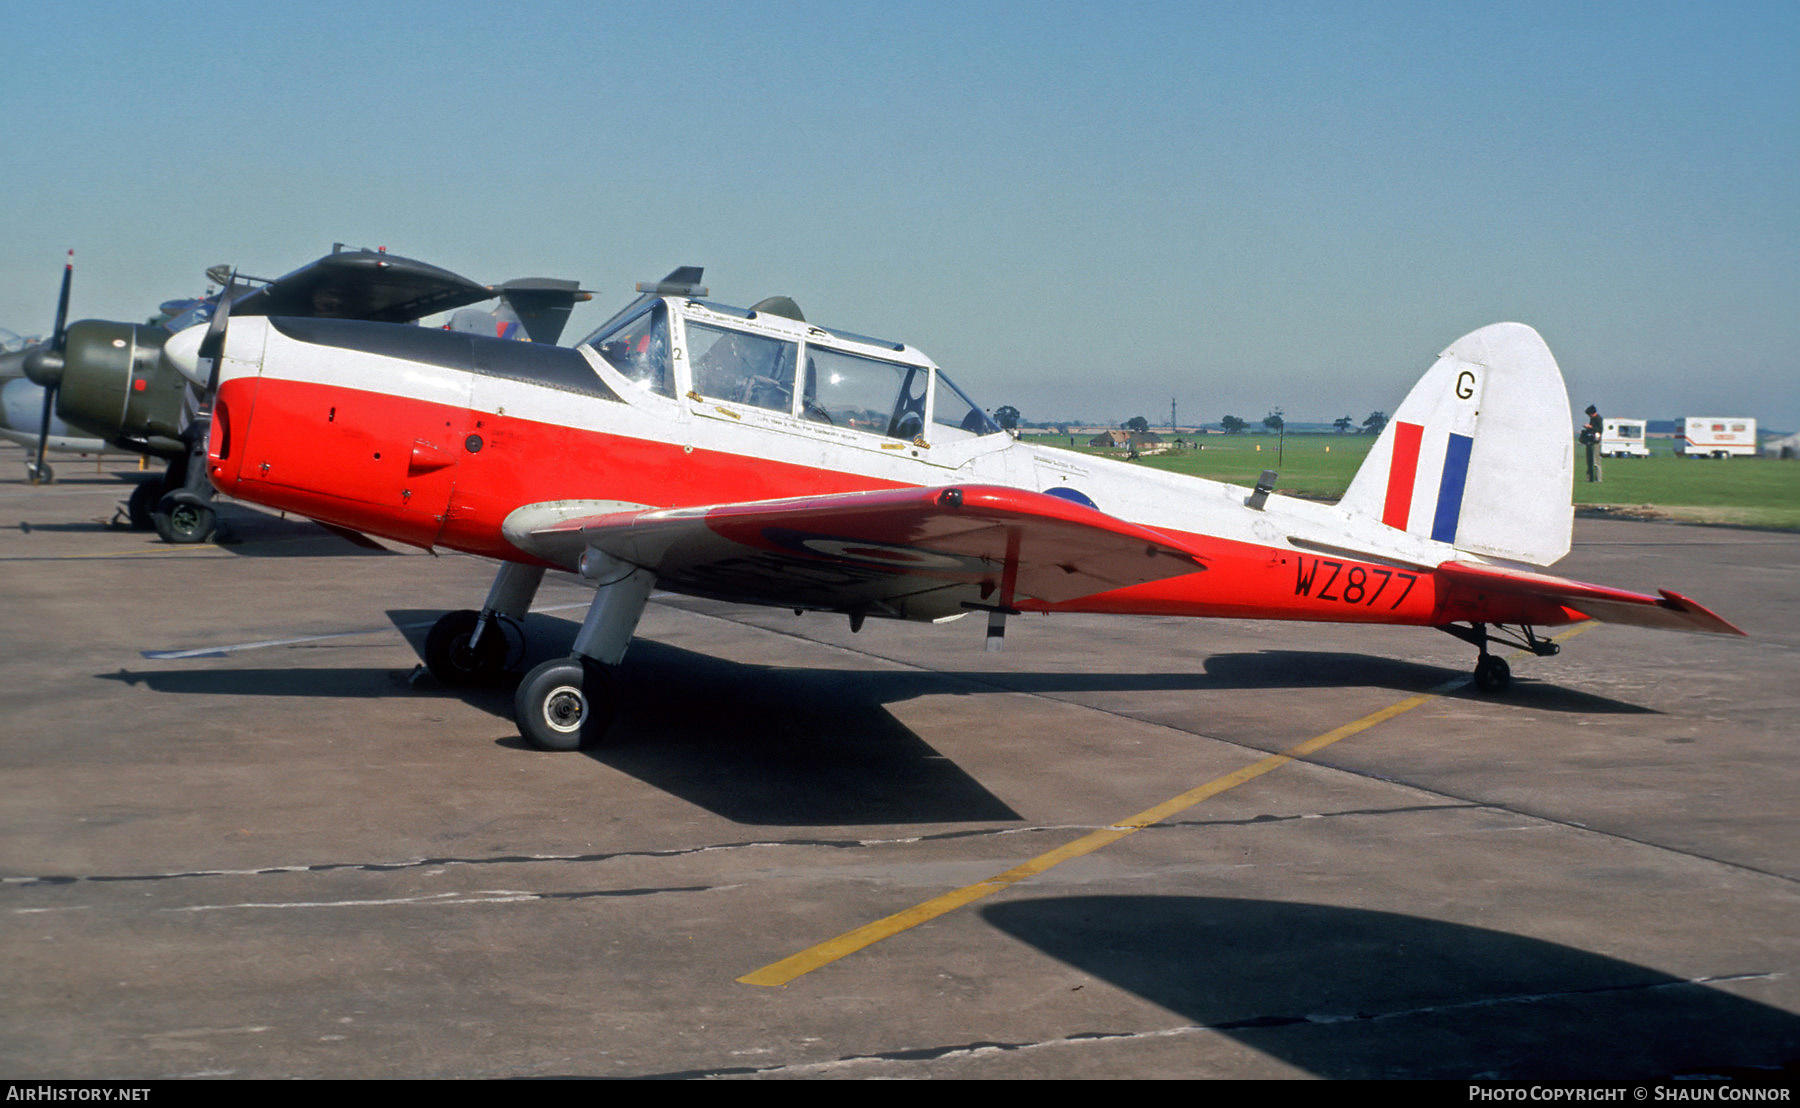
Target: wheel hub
x,y
565,708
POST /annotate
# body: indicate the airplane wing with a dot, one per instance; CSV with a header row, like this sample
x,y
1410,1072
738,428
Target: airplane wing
x,y
363,284
1475,588
914,553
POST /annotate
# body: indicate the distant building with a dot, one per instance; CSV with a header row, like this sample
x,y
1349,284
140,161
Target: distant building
x,y
1126,440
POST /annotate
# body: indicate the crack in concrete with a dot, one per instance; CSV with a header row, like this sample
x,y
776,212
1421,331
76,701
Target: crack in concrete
x,y
441,900
396,865
1258,1022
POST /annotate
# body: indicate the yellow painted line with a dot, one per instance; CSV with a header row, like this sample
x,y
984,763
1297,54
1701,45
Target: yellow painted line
x,y
796,965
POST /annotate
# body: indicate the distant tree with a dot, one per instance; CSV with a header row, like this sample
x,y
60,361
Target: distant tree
x,y
1233,425
1273,420
1137,423
1343,423
1007,416
1375,422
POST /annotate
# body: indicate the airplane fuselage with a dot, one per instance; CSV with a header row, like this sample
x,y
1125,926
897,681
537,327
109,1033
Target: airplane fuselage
x,y
437,440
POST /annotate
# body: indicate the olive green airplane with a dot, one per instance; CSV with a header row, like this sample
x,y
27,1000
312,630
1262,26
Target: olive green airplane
x,y
103,387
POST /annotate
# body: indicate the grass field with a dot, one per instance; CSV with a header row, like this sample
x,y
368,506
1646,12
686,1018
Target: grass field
x,y
1753,492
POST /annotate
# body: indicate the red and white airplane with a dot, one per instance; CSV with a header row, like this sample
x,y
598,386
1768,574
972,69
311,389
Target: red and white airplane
x,y
749,455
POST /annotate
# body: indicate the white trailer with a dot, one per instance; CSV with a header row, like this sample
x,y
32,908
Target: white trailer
x,y
1623,438
1717,437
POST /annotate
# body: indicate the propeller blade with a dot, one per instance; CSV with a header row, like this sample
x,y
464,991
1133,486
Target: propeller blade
x,y
43,435
50,368
58,337
213,345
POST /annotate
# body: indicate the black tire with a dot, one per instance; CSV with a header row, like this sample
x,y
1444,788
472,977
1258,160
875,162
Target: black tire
x,y
142,505
39,474
447,653
1492,675
184,521
565,704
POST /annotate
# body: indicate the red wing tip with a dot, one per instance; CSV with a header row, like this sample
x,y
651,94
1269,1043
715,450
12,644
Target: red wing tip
x,y
1682,604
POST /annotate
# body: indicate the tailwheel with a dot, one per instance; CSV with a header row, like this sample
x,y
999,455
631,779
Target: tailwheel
x,y
183,519
453,661
565,704
1492,675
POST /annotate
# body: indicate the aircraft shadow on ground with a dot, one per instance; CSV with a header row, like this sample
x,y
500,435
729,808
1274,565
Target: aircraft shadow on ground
x,y
1293,669
253,534
1347,993
86,526
67,474
242,532
769,745
797,745
343,682
1271,669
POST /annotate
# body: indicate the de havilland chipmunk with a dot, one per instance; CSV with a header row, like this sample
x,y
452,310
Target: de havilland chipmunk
x,y
98,386
750,455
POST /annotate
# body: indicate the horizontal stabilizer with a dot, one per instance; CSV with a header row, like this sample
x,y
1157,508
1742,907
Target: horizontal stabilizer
x,y
1484,588
917,553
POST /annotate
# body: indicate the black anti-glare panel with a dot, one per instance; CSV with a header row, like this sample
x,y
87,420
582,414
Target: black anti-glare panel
x,y
553,367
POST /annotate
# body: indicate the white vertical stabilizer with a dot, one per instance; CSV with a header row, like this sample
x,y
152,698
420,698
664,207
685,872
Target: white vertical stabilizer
x,y
1479,454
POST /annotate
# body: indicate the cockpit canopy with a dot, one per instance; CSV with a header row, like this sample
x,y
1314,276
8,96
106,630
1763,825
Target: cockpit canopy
x,y
773,360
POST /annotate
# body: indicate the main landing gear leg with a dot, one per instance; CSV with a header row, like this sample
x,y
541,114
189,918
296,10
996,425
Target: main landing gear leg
x,y
142,503
185,513
468,647
568,703
141,508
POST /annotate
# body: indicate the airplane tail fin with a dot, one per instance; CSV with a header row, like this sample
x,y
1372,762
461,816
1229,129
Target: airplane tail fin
x,y
1479,454
533,309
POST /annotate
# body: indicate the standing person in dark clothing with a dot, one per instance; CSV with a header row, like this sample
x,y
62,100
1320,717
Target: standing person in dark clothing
x,y
1590,436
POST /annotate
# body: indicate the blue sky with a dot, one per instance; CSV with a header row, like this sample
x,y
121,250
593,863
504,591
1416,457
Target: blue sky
x,y
1078,209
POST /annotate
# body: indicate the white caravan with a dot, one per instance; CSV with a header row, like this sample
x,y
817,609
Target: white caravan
x,y
1623,438
1717,437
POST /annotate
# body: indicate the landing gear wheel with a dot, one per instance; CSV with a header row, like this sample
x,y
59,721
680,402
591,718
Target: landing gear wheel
x,y
183,521
565,704
142,505
39,474
1492,675
447,653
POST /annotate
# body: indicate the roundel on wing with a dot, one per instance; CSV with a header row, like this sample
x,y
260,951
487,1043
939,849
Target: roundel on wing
x,y
1064,492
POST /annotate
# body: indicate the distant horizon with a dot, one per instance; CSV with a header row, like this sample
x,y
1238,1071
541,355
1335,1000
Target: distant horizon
x,y
1310,427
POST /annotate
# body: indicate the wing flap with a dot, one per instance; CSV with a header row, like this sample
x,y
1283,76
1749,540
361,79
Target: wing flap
x,y
1473,586
912,552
